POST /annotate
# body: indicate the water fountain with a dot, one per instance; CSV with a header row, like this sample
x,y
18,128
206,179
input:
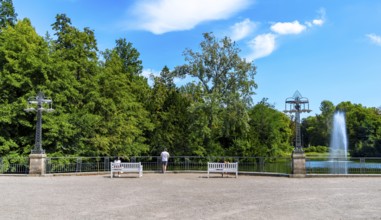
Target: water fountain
x,y
338,161
339,145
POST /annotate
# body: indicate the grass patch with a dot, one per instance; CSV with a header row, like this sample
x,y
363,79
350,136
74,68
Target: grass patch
x,y
317,154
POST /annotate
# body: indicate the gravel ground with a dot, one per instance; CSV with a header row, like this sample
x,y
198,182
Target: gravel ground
x,y
189,196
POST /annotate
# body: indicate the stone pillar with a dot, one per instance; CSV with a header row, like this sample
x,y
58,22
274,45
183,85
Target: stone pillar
x,y
298,164
37,164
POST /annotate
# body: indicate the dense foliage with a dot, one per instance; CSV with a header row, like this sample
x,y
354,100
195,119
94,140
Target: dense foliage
x,y
363,128
104,106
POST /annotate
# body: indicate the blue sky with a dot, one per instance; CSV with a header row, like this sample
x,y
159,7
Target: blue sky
x,y
326,49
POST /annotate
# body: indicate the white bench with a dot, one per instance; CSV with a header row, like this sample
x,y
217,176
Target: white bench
x,y
223,168
126,167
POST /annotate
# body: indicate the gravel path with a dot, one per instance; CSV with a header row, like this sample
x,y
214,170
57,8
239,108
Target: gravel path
x,y
189,196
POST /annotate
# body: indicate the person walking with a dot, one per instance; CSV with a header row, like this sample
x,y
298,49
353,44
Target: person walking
x,y
164,160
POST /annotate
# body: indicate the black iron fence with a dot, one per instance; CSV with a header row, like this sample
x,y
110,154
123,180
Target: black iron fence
x,y
365,165
77,164
19,165
177,163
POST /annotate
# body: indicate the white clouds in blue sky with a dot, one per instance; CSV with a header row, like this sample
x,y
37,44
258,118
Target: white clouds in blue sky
x,y
376,39
318,21
263,45
161,16
242,29
284,28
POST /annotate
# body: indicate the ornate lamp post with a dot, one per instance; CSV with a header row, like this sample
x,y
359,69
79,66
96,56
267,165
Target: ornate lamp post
x,y
297,104
37,156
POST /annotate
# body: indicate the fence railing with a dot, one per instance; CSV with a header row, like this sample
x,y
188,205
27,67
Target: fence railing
x,y
177,163
77,164
363,165
14,166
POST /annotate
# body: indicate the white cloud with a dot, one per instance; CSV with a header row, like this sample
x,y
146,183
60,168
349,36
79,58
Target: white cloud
x,y
262,45
321,20
242,29
318,22
161,16
374,39
315,22
265,44
284,28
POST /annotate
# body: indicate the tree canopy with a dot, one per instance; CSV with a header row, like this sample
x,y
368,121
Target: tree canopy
x,y
8,15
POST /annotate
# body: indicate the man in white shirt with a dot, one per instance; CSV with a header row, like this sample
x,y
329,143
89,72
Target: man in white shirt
x,y
117,164
164,160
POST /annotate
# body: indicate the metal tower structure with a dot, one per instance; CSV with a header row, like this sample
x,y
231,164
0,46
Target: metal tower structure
x,y
41,102
297,104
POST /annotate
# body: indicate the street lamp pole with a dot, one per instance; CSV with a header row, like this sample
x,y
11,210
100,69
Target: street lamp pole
x,y
297,104
39,100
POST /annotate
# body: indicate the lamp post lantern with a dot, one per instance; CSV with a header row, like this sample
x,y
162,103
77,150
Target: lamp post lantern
x,y
40,100
297,104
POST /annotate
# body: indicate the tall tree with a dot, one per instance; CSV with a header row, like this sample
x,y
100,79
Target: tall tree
x,y
270,132
8,16
24,70
131,66
364,129
74,66
124,119
168,109
227,84
130,57
316,130
79,47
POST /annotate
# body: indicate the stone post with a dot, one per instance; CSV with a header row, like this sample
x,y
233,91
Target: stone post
x,y
298,164
37,164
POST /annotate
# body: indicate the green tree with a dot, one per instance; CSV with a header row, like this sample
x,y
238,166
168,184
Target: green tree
x,y
77,47
270,132
130,57
74,64
316,130
198,133
364,129
23,71
8,16
124,119
226,82
132,66
169,111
